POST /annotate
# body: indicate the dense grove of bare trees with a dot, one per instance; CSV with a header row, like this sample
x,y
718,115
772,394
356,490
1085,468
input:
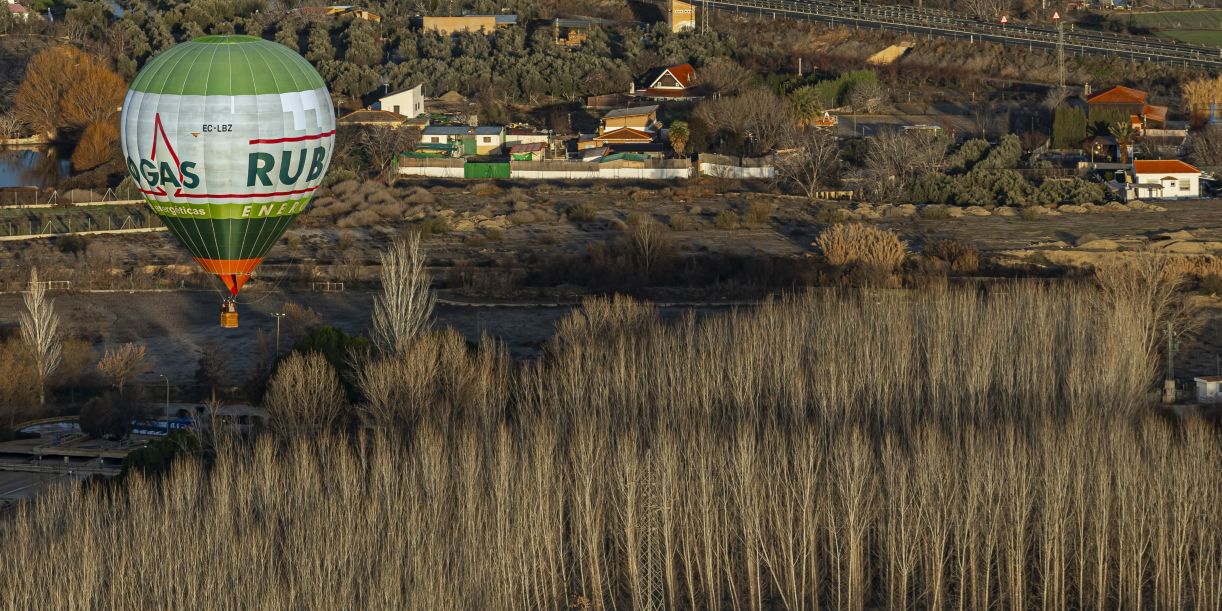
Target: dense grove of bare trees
x,y
942,449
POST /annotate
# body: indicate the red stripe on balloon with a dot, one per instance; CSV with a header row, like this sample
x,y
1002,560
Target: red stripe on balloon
x,y
294,139
179,193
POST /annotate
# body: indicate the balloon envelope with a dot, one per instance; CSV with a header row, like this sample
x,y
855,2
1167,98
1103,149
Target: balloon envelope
x,y
228,137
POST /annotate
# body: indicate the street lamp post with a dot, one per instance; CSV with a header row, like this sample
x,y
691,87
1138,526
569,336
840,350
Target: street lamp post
x,y
167,394
278,316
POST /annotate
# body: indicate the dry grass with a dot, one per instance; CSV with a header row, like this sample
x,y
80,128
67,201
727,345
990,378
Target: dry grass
x,y
863,245
844,450
962,258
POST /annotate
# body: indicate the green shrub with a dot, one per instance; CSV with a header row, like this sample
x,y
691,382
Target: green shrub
x,y
108,415
1028,213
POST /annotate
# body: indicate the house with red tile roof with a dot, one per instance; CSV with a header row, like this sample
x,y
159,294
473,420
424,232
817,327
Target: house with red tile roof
x,y
18,11
1163,179
673,83
1134,102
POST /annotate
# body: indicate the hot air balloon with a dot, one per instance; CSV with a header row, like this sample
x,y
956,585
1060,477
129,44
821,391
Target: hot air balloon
x,y
228,137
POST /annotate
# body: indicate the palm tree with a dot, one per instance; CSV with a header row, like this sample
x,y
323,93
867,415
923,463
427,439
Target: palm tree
x,y
679,135
1123,132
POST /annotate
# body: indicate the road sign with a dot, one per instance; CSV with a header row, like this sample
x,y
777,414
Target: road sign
x,y
1004,20
1056,16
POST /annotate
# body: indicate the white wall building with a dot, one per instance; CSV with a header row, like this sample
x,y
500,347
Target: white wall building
x,y
1163,179
1209,389
408,102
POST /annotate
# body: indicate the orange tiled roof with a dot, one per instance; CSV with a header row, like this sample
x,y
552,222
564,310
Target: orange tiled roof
x,y
1154,113
1119,95
1162,166
625,134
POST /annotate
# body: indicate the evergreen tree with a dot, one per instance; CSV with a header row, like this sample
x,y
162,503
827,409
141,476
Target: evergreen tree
x,y
320,48
362,43
1068,127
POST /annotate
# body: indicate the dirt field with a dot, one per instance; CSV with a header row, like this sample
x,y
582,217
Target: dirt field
x,y
512,243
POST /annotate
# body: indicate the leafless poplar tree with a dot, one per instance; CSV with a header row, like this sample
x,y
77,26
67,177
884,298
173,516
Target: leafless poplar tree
x,y
120,365
406,302
304,395
40,332
651,244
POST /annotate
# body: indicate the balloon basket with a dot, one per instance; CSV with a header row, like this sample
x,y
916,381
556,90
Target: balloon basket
x,y
229,314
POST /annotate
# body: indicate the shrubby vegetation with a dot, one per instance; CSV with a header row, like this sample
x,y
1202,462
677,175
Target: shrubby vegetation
x,y
979,175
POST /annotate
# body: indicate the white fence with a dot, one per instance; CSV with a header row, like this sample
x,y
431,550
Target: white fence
x,y
722,166
432,171
656,169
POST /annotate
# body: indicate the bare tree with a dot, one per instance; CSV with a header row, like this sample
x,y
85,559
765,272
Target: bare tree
x,y
895,159
724,76
1055,97
11,126
40,332
120,365
1205,146
403,308
304,395
651,244
758,117
869,97
383,145
813,162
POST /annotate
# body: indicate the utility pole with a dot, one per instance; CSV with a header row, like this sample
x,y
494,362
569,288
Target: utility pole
x,y
1169,383
167,397
278,316
1056,16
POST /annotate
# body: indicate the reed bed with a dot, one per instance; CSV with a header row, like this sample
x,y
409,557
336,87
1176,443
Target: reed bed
x,y
943,449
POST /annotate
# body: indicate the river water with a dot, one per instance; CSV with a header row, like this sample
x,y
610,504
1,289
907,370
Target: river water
x,y
32,167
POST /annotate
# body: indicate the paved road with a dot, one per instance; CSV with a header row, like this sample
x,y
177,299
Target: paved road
x,y
944,24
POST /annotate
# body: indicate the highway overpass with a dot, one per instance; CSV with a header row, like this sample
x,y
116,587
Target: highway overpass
x,y
943,24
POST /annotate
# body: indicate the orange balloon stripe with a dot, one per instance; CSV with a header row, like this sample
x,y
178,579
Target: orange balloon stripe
x,y
233,272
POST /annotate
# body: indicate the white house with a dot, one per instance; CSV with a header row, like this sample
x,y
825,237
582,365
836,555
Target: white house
x,y
18,11
408,102
1209,389
1163,179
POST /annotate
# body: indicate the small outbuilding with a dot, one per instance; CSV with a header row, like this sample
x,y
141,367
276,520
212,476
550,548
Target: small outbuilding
x,y
1209,389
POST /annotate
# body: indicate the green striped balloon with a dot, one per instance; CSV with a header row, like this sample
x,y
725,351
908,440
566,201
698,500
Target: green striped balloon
x,y
228,137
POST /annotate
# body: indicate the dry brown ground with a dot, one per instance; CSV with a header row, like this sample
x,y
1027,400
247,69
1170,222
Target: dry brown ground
x,y
498,231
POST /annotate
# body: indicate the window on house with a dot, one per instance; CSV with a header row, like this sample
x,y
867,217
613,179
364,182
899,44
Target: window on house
x,y
396,109
1185,185
487,139
436,139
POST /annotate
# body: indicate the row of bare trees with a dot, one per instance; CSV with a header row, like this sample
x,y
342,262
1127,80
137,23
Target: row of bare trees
x,y
936,449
